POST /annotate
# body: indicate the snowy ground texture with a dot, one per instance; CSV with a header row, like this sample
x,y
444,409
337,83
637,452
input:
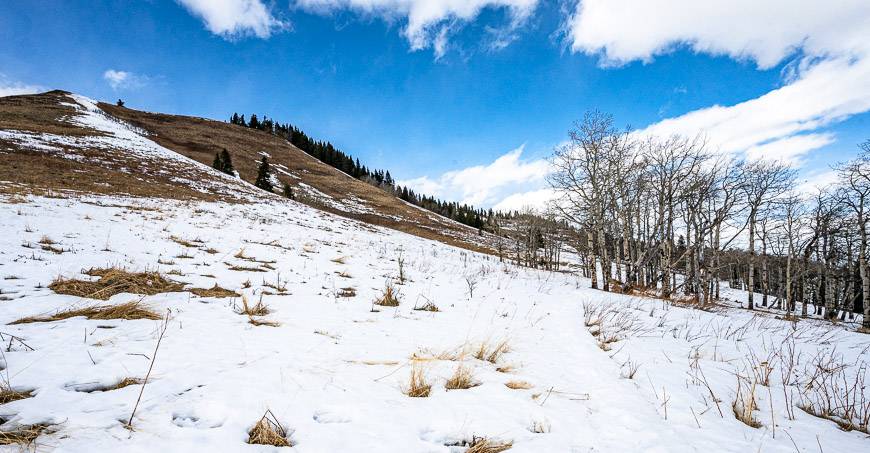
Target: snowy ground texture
x,y
333,372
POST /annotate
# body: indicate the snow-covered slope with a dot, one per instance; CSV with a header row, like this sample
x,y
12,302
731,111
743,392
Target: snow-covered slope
x,y
333,371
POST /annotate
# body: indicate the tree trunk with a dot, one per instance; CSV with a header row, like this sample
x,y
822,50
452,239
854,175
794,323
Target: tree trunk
x,y
751,276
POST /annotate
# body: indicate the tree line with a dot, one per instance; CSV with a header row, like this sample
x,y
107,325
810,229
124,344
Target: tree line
x,y
325,152
670,215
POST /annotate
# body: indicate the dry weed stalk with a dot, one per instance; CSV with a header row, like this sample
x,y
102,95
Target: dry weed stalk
x,y
744,402
162,331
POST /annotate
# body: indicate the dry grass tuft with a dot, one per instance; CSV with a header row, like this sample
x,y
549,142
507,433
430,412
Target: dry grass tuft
x,y
233,267
484,445
518,385
127,311
268,431
8,395
428,306
491,353
744,403
126,382
263,322
463,378
418,385
339,260
389,298
347,292
114,281
258,309
22,435
214,291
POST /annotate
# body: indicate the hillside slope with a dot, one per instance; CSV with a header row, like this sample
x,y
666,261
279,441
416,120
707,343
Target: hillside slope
x,y
63,142
334,368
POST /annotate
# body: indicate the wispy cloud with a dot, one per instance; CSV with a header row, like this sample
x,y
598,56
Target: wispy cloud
x,y
124,80
12,88
486,185
826,82
430,22
232,19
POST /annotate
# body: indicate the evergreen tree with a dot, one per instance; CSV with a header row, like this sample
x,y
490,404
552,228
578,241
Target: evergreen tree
x,y
288,191
264,180
218,164
226,163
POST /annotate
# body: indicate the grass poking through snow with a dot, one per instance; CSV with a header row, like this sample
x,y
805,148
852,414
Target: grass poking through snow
x,y
418,384
463,378
114,281
268,431
127,311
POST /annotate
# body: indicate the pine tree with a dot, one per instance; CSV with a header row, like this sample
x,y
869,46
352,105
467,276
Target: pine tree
x,y
218,164
288,191
264,180
226,163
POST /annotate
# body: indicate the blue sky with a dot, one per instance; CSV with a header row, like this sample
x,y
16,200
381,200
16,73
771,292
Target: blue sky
x,y
465,98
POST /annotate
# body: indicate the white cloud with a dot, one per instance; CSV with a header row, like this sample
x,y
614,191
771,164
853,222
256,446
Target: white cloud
x,y
535,199
429,22
234,18
816,180
766,31
485,185
789,149
120,80
826,82
9,88
828,92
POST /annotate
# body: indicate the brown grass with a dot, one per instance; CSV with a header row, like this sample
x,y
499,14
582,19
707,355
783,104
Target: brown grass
x,y
233,267
22,435
114,281
127,311
347,292
418,385
463,378
744,404
258,309
268,431
8,395
484,445
126,382
214,291
428,306
389,298
518,385
263,322
491,353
